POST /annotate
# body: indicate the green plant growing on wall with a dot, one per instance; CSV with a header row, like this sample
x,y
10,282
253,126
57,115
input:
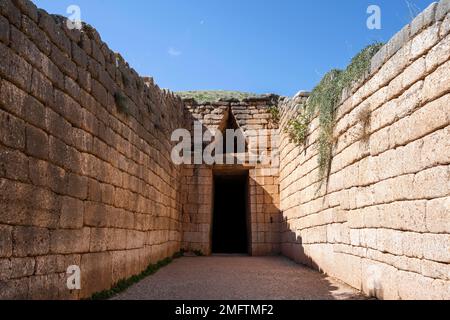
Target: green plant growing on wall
x,y
121,103
215,95
324,100
298,127
275,114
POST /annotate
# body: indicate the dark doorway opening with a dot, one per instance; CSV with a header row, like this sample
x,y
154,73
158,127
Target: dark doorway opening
x,y
230,232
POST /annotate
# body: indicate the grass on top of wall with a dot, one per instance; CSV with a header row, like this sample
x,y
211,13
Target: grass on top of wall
x,y
324,100
214,96
124,284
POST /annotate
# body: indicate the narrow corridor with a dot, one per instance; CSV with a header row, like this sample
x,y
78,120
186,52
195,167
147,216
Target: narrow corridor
x,y
227,277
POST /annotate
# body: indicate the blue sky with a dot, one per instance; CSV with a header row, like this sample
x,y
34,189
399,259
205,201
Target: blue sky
x,y
260,46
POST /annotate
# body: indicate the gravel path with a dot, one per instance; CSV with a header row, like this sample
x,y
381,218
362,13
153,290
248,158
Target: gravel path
x,y
238,277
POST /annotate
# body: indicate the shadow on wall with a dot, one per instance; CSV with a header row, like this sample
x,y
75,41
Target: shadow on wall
x,y
264,219
294,249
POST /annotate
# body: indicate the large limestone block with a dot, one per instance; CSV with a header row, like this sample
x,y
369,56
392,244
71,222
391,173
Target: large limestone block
x,y
30,241
70,241
438,215
96,273
424,41
5,241
379,280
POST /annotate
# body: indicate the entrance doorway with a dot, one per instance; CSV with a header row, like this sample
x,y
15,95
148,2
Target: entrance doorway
x,y
230,219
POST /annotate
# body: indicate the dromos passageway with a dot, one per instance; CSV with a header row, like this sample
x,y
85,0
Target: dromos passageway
x,y
236,277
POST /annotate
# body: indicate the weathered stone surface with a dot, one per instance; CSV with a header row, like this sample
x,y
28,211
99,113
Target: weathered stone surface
x,y
413,73
26,48
44,287
30,241
99,92
443,7
445,27
50,264
438,215
77,186
398,41
4,30
14,289
425,41
437,83
95,215
36,143
19,103
378,59
28,8
15,68
432,183
5,241
72,213
70,241
39,38
79,56
99,237
67,66
8,9
97,272
54,31
424,19
438,55
436,247
435,270
84,79
13,164
42,88
22,267
5,270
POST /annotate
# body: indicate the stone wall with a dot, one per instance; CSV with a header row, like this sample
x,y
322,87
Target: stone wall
x,y
263,193
85,171
382,222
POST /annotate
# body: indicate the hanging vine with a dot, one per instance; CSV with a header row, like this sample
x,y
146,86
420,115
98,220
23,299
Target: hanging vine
x,y
324,100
